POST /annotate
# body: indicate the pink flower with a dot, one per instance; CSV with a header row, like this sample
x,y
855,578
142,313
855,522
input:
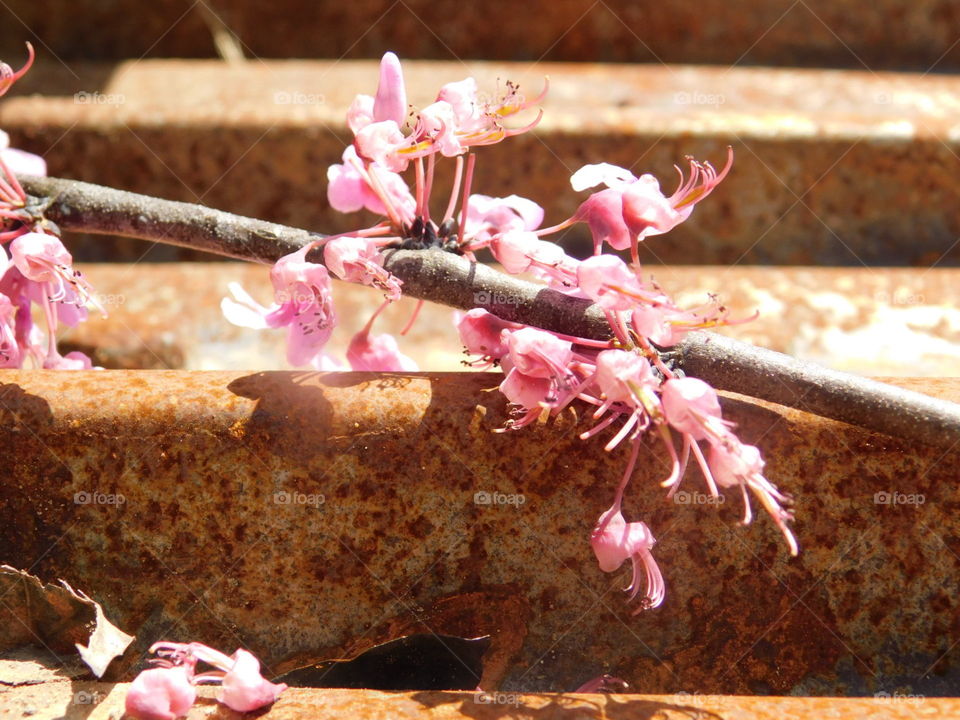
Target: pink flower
x,y
360,113
634,208
437,125
377,353
692,407
521,251
527,391
20,162
8,77
359,260
74,360
304,303
162,693
352,186
462,97
614,540
244,689
42,258
482,334
608,281
380,142
734,464
538,353
623,376
488,216
391,100
10,356
43,273
603,213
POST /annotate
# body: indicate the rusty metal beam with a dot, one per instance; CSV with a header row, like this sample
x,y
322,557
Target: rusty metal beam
x,y
310,516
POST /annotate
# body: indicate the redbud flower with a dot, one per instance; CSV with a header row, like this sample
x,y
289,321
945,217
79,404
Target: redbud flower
x,y
304,303
391,100
482,334
162,693
527,391
7,75
692,407
437,124
737,465
360,113
608,281
614,540
20,162
380,142
352,186
9,348
643,209
359,260
487,216
243,688
538,353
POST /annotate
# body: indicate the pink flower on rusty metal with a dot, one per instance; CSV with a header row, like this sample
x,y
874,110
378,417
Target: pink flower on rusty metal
x,y
243,688
163,693
614,540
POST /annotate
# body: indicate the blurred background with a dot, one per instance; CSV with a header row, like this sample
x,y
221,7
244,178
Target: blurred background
x,y
838,223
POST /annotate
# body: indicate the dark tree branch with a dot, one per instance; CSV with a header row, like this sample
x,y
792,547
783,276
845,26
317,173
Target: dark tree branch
x,y
451,280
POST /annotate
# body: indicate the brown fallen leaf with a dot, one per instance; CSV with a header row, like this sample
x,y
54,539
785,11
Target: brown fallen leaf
x,y
56,618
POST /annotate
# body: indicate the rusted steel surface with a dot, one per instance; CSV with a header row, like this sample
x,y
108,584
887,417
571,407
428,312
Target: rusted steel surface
x,y
871,322
832,167
310,516
102,701
895,34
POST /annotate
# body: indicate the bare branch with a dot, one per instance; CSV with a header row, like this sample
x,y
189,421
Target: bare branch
x,y
451,280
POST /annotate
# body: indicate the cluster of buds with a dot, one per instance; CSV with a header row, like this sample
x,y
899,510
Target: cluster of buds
x,y
626,379
35,267
168,690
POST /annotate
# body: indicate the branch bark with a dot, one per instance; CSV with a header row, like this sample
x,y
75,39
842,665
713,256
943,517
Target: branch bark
x,y
448,279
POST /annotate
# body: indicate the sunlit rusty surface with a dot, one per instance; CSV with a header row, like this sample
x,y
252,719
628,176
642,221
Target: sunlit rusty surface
x,y
890,321
832,167
102,701
820,33
306,514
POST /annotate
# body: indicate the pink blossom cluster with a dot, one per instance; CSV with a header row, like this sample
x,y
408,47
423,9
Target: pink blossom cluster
x,y
35,267
625,379
168,690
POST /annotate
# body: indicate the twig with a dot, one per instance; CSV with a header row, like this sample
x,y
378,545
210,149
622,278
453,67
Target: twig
x,y
451,280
